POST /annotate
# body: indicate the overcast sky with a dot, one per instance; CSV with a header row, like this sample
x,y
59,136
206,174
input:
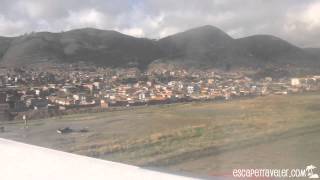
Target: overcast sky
x,y
297,21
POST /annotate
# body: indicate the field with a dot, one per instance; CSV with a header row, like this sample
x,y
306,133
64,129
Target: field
x,y
208,138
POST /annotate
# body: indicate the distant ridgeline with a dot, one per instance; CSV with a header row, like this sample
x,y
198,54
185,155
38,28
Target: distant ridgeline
x,y
205,46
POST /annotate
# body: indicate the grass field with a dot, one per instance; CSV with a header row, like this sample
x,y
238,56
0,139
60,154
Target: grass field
x,y
201,138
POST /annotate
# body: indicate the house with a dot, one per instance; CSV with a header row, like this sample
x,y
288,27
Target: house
x,y
37,103
104,104
4,106
4,112
20,106
142,96
3,97
190,89
295,82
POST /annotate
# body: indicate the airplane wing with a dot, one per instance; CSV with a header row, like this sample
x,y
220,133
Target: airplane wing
x,y
19,161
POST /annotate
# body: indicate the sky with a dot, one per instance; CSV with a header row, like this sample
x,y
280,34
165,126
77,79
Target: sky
x,y
297,21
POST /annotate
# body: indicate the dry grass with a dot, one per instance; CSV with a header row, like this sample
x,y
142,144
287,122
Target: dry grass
x,y
164,133
204,125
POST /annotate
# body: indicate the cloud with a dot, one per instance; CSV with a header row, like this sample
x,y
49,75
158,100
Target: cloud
x,y
311,16
287,19
86,18
11,28
138,32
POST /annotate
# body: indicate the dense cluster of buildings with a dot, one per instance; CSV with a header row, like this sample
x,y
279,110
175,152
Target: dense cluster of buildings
x,y
63,87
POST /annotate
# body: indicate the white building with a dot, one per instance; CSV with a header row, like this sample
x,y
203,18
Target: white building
x,y
295,82
190,89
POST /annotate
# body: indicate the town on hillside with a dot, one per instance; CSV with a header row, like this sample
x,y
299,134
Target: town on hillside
x,y
31,93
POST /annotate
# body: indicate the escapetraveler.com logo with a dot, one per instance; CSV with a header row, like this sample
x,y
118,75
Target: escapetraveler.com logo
x,y
309,172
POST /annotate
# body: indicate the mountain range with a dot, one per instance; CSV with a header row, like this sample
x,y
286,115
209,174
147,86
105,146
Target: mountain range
x,y
205,46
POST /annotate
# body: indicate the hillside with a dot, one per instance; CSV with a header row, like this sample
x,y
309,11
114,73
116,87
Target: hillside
x,y
100,47
205,46
314,51
210,46
33,48
4,45
271,49
108,48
